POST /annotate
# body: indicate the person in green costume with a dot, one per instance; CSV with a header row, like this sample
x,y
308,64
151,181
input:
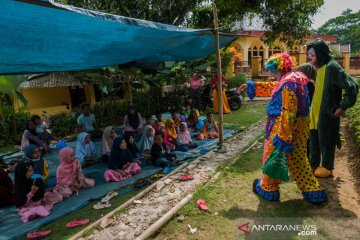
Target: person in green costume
x,y
335,91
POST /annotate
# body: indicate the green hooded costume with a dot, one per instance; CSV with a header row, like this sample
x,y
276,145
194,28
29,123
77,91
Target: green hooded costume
x,y
334,89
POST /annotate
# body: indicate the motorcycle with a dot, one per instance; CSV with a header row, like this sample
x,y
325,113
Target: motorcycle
x,y
232,97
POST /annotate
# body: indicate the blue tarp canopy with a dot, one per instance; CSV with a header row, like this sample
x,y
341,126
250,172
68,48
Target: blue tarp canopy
x,y
40,36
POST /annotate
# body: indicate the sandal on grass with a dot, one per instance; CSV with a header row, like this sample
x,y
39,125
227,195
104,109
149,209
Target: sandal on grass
x,y
77,223
109,196
202,205
141,184
101,205
38,234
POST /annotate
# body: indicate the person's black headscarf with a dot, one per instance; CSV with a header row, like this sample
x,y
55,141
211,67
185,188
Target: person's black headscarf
x,y
134,120
322,51
118,157
23,185
132,147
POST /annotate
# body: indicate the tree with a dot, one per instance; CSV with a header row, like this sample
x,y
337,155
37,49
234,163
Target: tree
x,y
165,11
288,20
346,27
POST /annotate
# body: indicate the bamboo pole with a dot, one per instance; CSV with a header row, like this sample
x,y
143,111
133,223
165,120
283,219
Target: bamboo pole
x,y
219,75
164,219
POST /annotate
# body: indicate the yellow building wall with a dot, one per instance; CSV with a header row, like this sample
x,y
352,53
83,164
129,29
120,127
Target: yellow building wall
x,y
51,99
46,97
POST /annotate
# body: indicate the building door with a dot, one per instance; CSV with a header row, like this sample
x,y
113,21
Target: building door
x,y
77,95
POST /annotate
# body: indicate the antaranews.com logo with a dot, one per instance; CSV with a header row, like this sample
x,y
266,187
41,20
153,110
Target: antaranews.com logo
x,y
293,229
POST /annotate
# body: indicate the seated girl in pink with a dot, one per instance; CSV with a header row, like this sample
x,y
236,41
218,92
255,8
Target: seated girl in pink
x,y
69,175
31,199
121,164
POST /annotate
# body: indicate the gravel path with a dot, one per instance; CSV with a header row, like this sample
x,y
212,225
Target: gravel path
x,y
139,216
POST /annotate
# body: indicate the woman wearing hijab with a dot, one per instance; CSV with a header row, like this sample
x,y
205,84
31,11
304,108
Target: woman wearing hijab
x,y
33,155
121,164
170,129
147,139
132,122
31,199
183,140
131,145
107,141
30,137
69,175
226,107
86,151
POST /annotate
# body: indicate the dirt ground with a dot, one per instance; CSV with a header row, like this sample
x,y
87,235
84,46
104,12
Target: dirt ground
x,y
344,188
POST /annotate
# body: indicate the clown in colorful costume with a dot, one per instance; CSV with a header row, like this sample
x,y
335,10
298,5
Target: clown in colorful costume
x,y
286,134
329,104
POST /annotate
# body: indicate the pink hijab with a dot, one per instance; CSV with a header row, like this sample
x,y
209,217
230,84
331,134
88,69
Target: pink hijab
x,y
183,137
68,169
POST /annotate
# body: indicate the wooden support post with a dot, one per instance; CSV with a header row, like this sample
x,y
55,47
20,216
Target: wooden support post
x,y
219,75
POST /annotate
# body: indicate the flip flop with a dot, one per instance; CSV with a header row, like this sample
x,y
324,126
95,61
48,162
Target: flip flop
x,y
77,223
186,178
202,205
101,205
109,196
141,184
37,234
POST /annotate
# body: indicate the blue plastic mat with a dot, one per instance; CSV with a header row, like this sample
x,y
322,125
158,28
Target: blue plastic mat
x,y
9,219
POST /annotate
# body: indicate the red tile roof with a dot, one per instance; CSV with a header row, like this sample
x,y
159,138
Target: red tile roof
x,y
259,34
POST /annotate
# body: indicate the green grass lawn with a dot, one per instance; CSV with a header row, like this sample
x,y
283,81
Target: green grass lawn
x,y
232,203
246,116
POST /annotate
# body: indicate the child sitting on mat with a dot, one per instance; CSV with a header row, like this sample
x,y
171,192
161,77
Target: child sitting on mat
x,y
31,199
69,174
121,164
210,129
176,119
86,151
33,155
159,122
160,153
183,141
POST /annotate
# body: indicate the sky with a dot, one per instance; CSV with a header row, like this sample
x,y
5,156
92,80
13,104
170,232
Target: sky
x,y
334,8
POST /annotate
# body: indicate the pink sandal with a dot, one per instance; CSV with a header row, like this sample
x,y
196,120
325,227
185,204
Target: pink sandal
x,y
186,178
37,234
77,223
202,205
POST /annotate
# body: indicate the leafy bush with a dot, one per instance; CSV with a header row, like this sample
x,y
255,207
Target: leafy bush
x,y
11,124
237,80
110,111
353,115
64,124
